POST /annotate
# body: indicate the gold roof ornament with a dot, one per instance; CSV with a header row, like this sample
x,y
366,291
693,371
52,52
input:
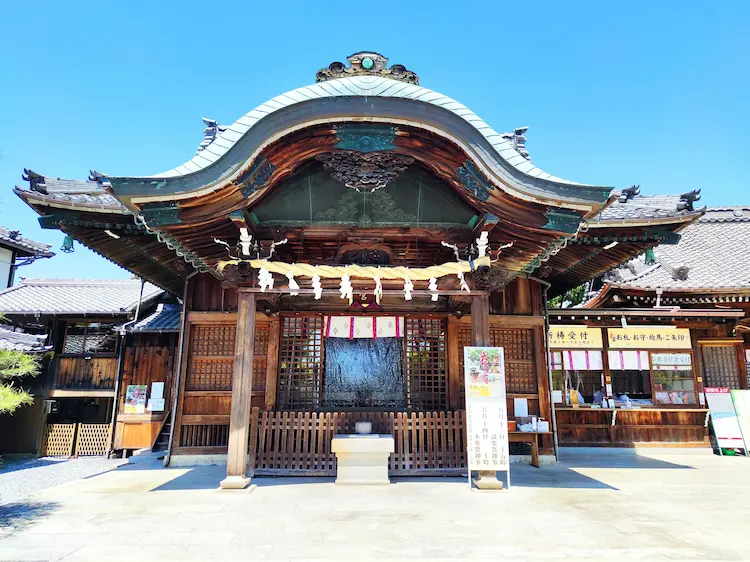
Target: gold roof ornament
x,y
366,63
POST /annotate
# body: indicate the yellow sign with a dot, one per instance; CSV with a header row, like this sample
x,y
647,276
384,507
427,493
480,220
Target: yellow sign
x,y
575,337
649,337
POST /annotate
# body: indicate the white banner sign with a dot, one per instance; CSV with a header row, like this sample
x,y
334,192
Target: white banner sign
x,y
486,408
741,400
724,418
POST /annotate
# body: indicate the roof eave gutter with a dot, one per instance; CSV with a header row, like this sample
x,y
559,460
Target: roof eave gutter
x,y
677,312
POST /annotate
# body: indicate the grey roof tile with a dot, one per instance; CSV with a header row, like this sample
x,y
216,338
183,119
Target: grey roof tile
x,y
87,193
13,239
714,249
75,296
644,207
21,341
166,318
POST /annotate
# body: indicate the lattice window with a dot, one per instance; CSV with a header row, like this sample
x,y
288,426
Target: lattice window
x,y
520,376
300,362
426,373
720,366
212,357
260,355
464,339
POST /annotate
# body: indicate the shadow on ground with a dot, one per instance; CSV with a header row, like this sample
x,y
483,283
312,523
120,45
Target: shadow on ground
x,y
11,464
208,478
17,516
616,458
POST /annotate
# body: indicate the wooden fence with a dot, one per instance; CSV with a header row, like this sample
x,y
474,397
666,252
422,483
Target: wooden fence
x,y
299,443
85,439
92,439
58,440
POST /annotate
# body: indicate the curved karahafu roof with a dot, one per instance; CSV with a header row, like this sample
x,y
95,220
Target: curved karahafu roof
x,y
367,87
374,96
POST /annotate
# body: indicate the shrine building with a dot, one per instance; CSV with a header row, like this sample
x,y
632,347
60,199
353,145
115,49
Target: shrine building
x,y
333,251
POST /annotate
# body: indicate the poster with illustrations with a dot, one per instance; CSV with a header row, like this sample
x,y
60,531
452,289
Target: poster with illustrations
x,y
484,372
135,399
486,409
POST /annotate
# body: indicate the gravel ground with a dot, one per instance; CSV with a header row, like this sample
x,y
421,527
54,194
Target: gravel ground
x,y
22,477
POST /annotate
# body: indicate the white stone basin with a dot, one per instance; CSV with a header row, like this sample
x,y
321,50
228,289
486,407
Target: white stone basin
x,y
362,459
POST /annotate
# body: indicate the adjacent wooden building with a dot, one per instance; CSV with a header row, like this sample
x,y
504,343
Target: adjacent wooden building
x,y
334,250
698,291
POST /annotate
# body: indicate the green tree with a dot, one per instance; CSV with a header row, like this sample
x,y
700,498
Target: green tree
x,y
14,366
574,296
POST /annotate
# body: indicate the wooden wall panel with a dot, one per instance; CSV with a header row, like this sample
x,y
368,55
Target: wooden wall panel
x,y
82,373
207,404
149,358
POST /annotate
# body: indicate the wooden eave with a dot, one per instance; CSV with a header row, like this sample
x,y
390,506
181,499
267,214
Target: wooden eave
x,y
586,258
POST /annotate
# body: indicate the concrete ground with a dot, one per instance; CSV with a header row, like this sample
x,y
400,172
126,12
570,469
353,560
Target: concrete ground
x,y
593,505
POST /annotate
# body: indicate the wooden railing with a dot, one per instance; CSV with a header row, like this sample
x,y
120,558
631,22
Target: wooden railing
x,y
81,373
299,443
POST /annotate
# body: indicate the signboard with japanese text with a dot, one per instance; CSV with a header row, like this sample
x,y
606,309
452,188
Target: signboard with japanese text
x,y
671,359
724,418
646,337
575,337
486,409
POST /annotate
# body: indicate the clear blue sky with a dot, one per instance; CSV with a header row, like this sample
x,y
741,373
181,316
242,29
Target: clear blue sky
x,y
615,93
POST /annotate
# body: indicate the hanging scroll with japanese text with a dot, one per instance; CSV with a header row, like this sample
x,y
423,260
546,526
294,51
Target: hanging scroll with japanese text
x,y
486,408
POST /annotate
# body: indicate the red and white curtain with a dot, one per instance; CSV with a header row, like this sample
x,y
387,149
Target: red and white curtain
x,y
628,360
353,327
582,360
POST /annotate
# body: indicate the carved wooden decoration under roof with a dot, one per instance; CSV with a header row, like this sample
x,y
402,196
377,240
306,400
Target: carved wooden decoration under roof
x,y
366,63
364,171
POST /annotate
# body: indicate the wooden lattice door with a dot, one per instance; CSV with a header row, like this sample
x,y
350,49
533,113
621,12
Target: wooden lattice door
x,y
722,364
426,363
300,363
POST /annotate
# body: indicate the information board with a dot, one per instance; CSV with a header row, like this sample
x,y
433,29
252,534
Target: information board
x,y
724,418
486,409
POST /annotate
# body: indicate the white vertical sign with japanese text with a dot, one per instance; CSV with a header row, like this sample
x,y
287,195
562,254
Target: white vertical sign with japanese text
x,y
486,409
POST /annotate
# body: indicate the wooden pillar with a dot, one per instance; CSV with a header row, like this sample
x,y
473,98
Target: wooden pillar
x,y
522,304
242,387
480,320
454,366
272,365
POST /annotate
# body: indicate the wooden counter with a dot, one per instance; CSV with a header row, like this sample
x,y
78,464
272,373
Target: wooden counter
x,y
624,427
